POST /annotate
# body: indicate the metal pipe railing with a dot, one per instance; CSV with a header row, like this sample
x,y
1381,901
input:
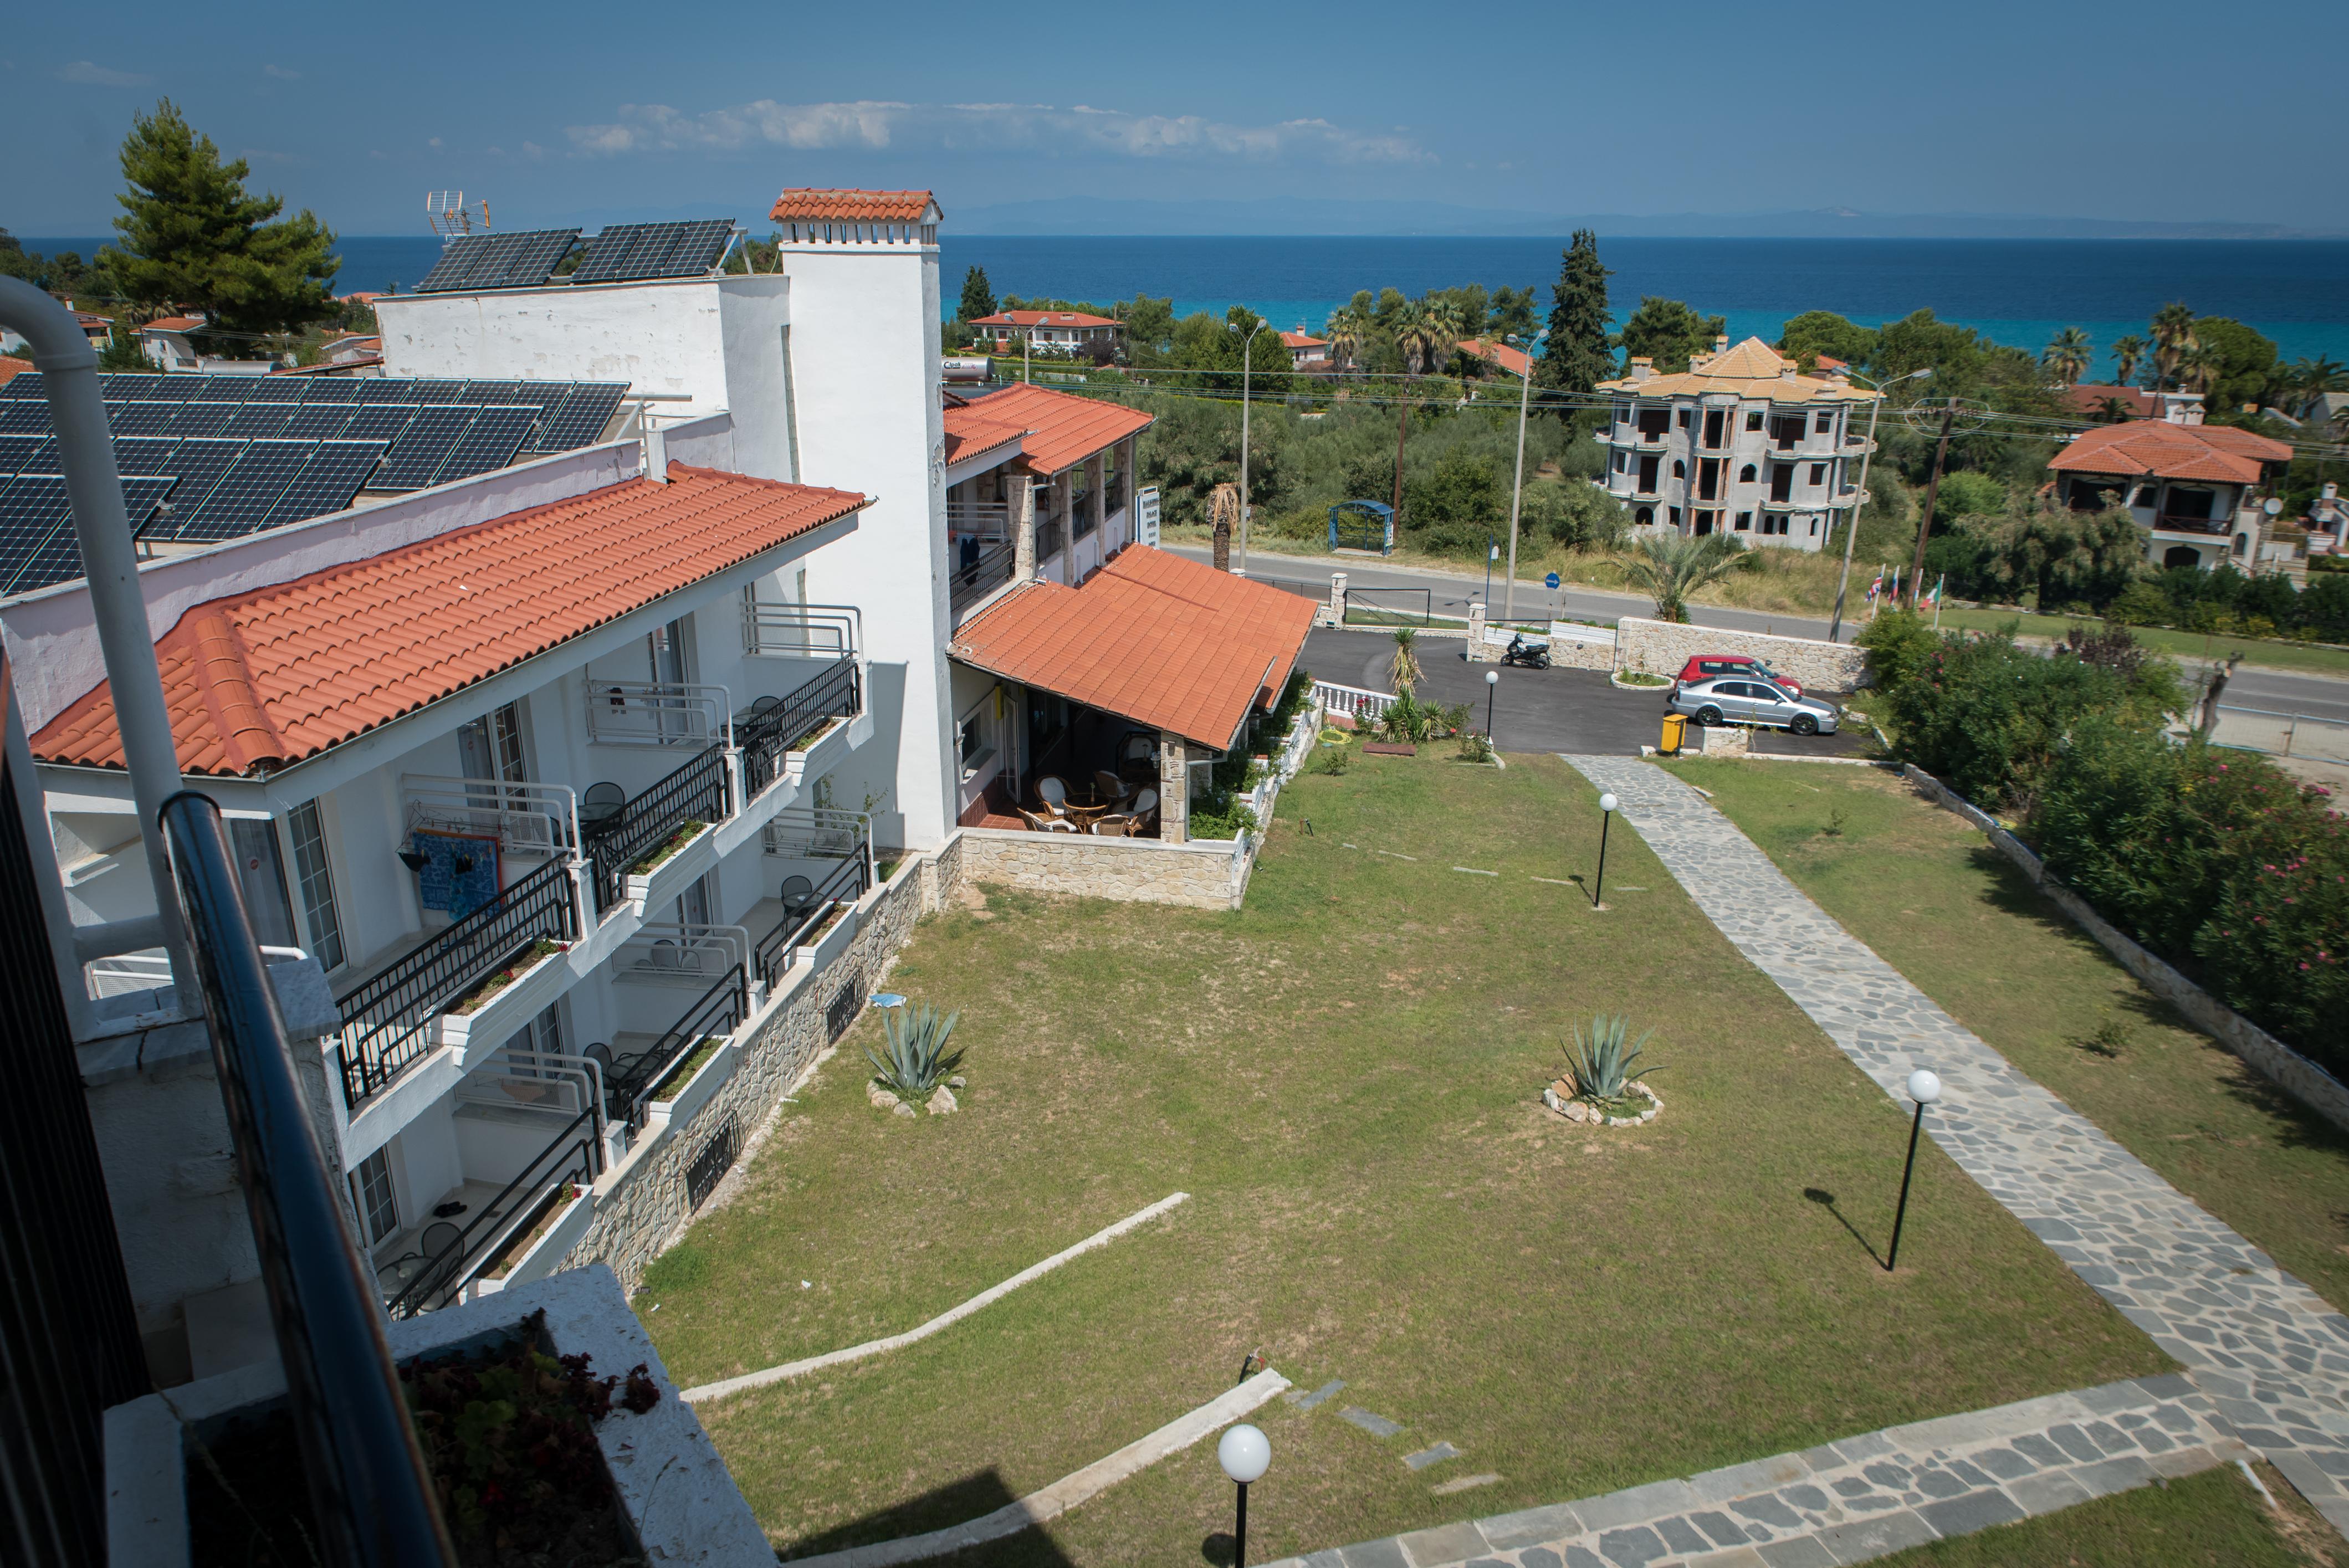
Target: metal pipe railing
x,y
368,1484
68,367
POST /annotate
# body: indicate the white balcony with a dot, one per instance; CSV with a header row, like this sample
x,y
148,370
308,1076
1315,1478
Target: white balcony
x,y
653,713
525,818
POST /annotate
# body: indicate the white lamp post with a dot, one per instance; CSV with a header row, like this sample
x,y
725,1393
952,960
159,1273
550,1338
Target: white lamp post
x,y
1924,1088
1246,1454
1607,804
1492,690
1851,529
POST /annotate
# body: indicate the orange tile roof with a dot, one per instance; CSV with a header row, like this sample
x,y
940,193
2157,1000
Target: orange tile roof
x,y
1065,429
1307,340
1515,361
12,369
809,206
259,680
2089,398
2161,449
1166,642
970,431
1042,318
173,323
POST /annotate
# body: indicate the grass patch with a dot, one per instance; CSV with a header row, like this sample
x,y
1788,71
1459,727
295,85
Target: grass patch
x,y
1930,895
2272,652
2213,1519
1345,1075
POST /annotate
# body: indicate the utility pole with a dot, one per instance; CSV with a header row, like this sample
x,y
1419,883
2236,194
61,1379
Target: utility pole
x,y
1248,348
1932,490
1859,501
1403,423
1517,492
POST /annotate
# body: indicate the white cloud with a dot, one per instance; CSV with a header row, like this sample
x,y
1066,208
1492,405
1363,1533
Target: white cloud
x,y
87,74
874,125
281,73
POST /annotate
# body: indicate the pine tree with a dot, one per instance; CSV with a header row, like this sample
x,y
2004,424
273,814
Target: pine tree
x,y
1576,356
978,299
193,239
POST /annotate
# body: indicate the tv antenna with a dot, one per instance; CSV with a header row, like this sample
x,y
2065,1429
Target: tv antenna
x,y
450,218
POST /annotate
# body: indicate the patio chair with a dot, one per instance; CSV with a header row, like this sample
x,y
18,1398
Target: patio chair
x,y
798,896
1117,825
1141,813
1036,824
664,953
443,1246
1054,794
600,804
1112,787
1137,755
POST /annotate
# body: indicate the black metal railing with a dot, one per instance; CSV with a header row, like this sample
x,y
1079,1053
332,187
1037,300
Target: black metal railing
x,y
1087,518
766,738
720,1012
373,1497
387,1020
840,1013
1050,537
980,574
694,793
574,1154
846,884
710,1166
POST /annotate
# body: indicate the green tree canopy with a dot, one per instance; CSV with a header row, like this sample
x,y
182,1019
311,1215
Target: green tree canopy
x,y
195,238
1818,332
978,298
1577,356
1668,332
2240,363
1918,340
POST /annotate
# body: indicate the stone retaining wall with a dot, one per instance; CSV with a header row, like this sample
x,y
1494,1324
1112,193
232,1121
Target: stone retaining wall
x,y
1663,647
2270,1058
640,1203
1135,871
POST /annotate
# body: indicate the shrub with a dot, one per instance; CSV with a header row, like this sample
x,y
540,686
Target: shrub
x,y
1986,716
1227,819
1899,642
1600,1060
917,1061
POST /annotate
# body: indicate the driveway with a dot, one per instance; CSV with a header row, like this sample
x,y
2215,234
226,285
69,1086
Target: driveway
x,y
1534,710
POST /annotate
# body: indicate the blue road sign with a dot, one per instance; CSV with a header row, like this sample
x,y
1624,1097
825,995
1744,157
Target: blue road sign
x,y
1550,581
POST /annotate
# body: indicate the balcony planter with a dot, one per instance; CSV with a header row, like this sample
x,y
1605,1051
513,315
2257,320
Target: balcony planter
x,y
695,1092
537,1256
653,887
498,1014
820,755
832,943
674,1489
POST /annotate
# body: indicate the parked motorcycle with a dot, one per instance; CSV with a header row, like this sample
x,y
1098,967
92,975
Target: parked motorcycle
x,y
1525,654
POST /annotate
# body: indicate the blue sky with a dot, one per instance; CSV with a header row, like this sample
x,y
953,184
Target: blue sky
x,y
2149,110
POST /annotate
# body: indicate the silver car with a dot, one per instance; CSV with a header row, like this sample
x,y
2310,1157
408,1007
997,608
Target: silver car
x,y
1742,699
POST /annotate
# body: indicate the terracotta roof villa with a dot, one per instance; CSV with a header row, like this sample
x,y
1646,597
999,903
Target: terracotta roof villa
x,y
2190,487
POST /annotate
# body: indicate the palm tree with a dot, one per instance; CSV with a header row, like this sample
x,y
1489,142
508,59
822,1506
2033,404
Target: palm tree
x,y
2197,365
2173,331
1402,671
1416,333
1346,330
1670,567
2309,379
2068,355
2129,353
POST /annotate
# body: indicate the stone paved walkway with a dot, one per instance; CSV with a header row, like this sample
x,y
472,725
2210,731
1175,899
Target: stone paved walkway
x,y
1849,1500
2272,1356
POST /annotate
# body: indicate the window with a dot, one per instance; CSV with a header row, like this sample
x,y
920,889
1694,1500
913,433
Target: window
x,y
491,746
261,877
1818,473
1815,528
1675,515
318,883
1753,419
1684,420
1680,469
1712,423
1745,474
1645,516
371,1194
1744,522
1825,422
1619,462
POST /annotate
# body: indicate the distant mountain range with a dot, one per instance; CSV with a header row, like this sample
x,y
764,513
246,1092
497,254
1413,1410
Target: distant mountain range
x,y
1087,215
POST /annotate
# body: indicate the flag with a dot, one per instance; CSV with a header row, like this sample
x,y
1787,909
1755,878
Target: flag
x,y
1876,587
1936,595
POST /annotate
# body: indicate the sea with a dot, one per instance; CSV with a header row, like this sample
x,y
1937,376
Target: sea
x,y
2019,291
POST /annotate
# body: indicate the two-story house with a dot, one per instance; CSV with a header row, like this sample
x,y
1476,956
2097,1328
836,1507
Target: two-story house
x,y
1741,442
2194,489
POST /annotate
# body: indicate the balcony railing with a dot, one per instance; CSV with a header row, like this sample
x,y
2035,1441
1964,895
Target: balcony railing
x,y
991,517
845,885
655,713
718,1013
681,953
767,737
802,631
695,792
2172,522
574,1154
1051,535
978,572
819,833
525,818
387,1019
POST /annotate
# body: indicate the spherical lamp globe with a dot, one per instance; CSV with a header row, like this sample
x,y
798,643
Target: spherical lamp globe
x,y
1924,1086
1608,803
1245,1453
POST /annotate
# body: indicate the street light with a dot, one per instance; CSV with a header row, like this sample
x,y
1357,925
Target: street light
x,y
1248,346
1607,804
1492,690
1245,1453
1851,529
1924,1088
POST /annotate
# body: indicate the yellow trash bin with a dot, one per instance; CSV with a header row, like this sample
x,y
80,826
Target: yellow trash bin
x,y
1675,727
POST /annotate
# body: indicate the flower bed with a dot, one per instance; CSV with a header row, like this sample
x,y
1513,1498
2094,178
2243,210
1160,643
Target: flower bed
x,y
678,1077
518,1247
685,833
479,997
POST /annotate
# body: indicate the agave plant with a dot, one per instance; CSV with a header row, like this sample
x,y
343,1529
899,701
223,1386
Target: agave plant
x,y
917,1061
1601,1061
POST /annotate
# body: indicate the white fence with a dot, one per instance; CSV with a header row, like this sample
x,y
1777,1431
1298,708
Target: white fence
x,y
1355,701
2281,734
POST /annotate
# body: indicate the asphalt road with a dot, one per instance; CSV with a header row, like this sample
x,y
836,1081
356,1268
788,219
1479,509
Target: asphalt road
x,y
1532,710
2319,696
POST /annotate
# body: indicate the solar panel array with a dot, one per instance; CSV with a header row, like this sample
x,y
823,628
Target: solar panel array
x,y
234,454
498,261
624,252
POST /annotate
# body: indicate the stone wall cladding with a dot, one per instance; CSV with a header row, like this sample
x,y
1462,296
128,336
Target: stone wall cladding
x,y
1134,870
1661,647
2270,1058
640,1205
1571,653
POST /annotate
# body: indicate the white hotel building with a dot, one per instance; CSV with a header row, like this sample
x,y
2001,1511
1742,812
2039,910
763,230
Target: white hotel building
x,y
1741,442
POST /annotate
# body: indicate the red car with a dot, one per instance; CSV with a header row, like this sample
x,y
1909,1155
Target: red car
x,y
1705,667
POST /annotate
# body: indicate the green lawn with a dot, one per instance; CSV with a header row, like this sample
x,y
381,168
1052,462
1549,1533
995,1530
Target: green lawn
x,y
2214,1518
1930,895
2270,652
1345,1076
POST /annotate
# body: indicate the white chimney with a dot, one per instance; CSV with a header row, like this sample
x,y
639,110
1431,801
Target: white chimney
x,y
655,444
